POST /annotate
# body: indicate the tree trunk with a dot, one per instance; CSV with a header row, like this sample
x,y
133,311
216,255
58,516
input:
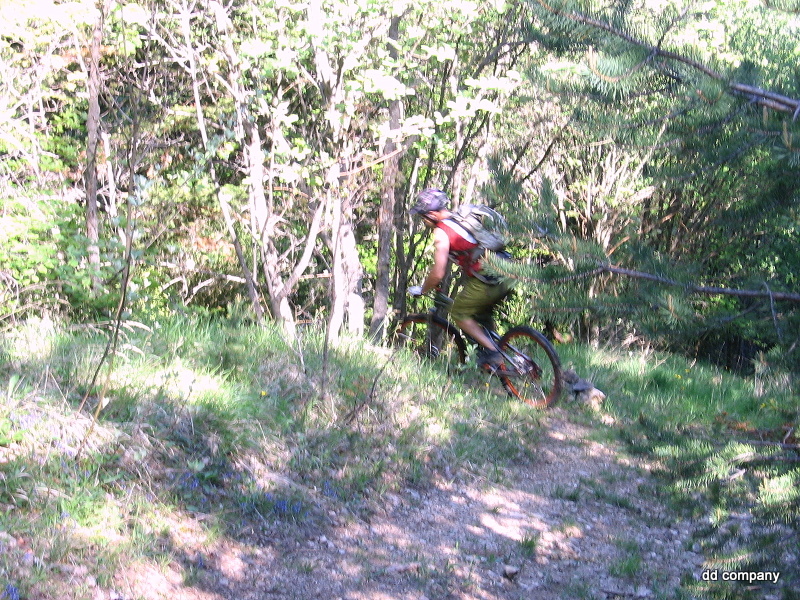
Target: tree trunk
x,y
93,138
404,260
347,305
353,273
279,288
224,24
391,169
386,219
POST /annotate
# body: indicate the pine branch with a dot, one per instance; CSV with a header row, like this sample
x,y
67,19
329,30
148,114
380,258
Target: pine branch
x,y
699,289
782,445
522,272
754,94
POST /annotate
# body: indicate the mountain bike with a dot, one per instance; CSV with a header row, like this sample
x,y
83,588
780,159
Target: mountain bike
x,y
531,369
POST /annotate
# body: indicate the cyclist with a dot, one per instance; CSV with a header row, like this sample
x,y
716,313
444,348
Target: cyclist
x,y
475,302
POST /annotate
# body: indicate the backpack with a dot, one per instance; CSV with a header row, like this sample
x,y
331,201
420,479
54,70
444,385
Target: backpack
x,y
485,224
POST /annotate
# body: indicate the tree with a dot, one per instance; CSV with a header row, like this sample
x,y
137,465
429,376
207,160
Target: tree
x,y
93,137
662,159
388,203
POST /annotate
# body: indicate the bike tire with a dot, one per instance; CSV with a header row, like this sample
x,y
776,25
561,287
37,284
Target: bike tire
x,y
421,333
535,373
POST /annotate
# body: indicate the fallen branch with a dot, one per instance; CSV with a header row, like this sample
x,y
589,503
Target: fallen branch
x,y
697,289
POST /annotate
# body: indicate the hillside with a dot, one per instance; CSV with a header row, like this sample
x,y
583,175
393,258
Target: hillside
x,y
223,466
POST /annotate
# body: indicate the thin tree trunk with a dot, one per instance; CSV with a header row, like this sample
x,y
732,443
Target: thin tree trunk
x,y
252,292
338,288
391,169
93,138
403,260
353,273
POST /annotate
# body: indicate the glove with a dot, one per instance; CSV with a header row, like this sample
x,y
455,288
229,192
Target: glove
x,y
415,290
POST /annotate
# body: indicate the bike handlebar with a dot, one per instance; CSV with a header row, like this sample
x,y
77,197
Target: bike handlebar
x,y
440,297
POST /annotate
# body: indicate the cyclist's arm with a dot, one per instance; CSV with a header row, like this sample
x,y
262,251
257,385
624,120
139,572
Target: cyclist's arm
x,y
441,252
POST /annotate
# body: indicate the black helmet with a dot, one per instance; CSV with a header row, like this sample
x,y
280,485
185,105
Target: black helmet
x,y
430,200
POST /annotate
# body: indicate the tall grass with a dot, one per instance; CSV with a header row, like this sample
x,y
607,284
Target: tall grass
x,y
676,392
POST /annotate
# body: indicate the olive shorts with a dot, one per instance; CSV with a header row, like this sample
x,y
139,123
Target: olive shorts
x,y
477,299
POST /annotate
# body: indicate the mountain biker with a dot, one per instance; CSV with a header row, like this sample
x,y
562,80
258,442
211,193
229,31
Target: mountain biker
x,y
476,300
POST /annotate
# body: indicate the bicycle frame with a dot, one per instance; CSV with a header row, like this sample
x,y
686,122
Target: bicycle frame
x,y
443,301
531,369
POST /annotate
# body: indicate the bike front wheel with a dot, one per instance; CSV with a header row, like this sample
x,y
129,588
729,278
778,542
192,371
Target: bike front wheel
x,y
433,338
532,370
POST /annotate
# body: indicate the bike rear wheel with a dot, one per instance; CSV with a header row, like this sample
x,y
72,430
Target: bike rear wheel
x,y
433,338
534,372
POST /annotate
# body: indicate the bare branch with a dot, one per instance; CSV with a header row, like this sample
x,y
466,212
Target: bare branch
x,y
698,289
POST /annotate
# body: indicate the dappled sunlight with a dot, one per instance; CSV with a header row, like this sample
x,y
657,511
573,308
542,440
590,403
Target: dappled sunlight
x,y
35,340
524,536
102,522
569,438
509,518
149,580
418,495
182,383
53,431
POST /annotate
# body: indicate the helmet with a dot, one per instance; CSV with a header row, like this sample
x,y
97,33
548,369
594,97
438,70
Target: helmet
x,y
430,200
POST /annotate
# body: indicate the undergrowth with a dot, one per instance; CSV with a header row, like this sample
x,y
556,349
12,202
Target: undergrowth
x,y
211,428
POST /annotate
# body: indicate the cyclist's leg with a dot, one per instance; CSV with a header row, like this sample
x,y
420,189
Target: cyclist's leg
x,y
493,360
499,292
473,304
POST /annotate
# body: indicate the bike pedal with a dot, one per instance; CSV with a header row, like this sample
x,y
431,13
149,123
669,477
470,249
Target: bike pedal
x,y
494,369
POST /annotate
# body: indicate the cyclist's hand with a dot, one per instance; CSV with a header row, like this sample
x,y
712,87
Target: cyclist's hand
x,y
415,290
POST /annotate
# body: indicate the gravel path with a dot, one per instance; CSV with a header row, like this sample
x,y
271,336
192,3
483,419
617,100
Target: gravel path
x,y
580,521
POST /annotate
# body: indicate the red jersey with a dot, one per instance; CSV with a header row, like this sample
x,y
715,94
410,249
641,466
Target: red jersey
x,y
464,249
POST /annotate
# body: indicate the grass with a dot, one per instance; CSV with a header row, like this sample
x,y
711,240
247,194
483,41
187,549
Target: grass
x,y
211,424
221,421
675,392
629,564
571,494
528,545
600,492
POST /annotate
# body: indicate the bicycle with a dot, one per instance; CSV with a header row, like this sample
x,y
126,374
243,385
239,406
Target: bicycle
x,y
531,369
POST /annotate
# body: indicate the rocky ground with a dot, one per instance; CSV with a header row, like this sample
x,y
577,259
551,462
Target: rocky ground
x,y
581,521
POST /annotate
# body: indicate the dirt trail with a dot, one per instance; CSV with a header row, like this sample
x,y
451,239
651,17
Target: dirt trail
x,y
580,522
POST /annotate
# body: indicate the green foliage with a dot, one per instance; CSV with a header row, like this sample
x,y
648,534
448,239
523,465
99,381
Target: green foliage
x,y
43,256
644,161
65,142
25,252
700,148
625,63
